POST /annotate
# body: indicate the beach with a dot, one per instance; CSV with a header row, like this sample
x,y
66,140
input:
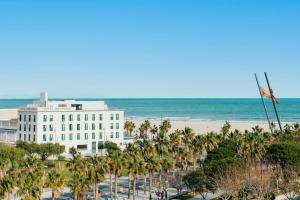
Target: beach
x,y
201,127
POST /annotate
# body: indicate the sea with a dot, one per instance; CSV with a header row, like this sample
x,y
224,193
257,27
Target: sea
x,y
192,108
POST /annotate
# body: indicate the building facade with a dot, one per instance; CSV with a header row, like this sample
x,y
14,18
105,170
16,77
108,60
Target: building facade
x,y
80,124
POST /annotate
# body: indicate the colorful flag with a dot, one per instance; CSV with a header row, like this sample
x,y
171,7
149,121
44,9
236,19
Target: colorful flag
x,y
266,95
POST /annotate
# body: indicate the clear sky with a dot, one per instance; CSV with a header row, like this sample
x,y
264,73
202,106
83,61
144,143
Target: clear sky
x,y
153,48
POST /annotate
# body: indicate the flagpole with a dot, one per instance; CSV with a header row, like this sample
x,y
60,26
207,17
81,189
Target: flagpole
x,y
263,102
273,101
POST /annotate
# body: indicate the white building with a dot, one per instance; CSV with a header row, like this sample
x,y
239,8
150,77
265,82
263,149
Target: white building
x,y
80,124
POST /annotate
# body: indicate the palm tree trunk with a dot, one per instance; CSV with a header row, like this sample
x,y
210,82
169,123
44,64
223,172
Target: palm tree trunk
x,y
150,185
129,185
110,184
116,186
96,190
145,184
134,182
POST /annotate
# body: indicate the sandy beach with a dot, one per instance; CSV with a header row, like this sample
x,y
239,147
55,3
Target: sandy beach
x,y
207,126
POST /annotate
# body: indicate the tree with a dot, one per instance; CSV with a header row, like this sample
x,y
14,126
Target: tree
x,y
129,127
286,155
153,130
30,183
56,182
79,181
136,168
97,168
196,181
116,164
226,129
152,165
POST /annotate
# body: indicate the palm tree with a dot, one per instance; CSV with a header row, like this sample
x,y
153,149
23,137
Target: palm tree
x,y
165,127
147,126
136,167
161,145
56,182
153,130
79,181
145,146
152,165
211,141
225,129
167,165
129,127
130,151
30,184
187,137
116,164
98,167
198,148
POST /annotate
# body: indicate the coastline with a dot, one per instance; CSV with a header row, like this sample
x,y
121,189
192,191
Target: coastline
x,y
202,127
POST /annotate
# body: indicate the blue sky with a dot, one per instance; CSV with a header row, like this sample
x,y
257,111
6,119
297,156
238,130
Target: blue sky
x,y
154,48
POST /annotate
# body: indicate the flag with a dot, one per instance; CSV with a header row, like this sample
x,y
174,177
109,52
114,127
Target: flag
x,y
266,95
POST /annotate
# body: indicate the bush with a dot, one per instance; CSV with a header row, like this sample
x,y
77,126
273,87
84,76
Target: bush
x,y
284,154
196,180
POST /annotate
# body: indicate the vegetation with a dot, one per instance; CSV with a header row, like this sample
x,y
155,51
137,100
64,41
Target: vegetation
x,y
237,165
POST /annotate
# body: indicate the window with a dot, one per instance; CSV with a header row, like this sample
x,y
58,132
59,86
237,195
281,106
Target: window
x,y
24,137
86,136
93,136
86,117
117,117
117,134
111,116
78,127
34,138
70,136
29,118
62,137
63,127
44,137
93,126
34,118
100,135
111,135
20,118
24,127
63,118
70,117
100,117
111,126
78,117
20,136
20,127
29,137
44,118
51,137
44,128
78,136
93,117
24,118
100,126
117,126
50,127
33,128
51,118
70,127
29,127
86,127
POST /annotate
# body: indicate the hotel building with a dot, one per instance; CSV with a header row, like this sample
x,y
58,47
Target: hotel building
x,y
80,124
